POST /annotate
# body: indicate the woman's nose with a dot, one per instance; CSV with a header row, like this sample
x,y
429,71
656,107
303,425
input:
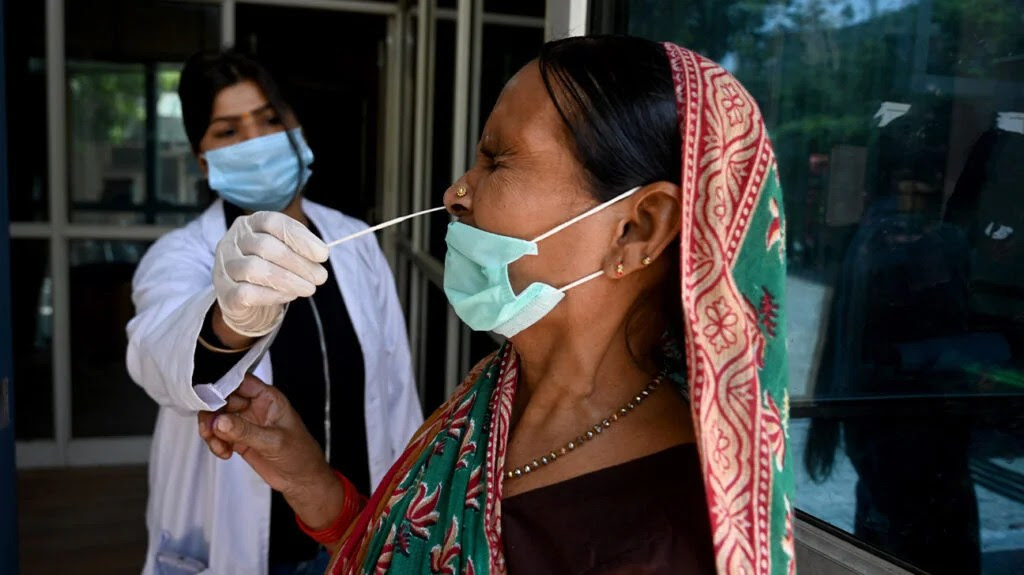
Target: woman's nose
x,y
457,199
248,129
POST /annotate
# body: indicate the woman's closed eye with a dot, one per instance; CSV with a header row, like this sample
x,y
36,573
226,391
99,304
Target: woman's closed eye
x,y
485,158
494,160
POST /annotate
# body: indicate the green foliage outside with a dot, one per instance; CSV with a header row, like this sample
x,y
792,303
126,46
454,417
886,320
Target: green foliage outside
x,y
108,103
820,69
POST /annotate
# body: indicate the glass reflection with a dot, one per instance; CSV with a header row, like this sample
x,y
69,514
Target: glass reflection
x,y
899,132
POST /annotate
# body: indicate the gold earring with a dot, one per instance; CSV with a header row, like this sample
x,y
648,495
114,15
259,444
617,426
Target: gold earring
x,y
619,270
461,192
646,261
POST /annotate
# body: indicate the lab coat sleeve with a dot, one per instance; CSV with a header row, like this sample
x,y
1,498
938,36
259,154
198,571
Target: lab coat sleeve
x,y
172,291
403,398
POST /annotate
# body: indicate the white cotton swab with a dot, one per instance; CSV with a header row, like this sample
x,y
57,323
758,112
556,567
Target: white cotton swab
x,y
381,226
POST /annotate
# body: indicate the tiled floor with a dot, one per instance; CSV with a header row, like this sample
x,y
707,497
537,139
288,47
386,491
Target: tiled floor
x,y
83,521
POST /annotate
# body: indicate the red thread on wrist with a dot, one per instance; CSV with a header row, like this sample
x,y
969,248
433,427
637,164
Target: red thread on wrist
x,y
352,503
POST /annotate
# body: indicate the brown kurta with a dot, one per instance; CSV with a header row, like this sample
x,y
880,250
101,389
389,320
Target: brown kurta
x,y
646,516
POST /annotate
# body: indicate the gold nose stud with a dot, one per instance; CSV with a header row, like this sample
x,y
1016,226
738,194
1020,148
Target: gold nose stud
x,y
461,192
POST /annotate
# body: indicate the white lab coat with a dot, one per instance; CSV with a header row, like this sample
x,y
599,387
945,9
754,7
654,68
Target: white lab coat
x,y
216,511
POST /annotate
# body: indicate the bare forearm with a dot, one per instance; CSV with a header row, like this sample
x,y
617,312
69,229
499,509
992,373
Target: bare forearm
x,y
319,502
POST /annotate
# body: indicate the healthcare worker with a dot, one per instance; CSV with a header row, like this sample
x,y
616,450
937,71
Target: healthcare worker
x,y
251,287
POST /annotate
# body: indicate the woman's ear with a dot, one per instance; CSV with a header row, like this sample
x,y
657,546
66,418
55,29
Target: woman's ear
x,y
650,226
201,158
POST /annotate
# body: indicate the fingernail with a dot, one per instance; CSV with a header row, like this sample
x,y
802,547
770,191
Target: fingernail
x,y
223,424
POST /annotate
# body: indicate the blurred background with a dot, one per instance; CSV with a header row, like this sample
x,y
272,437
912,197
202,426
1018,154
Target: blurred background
x,y
899,130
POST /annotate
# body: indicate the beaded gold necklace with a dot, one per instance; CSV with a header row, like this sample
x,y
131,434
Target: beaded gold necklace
x,y
587,436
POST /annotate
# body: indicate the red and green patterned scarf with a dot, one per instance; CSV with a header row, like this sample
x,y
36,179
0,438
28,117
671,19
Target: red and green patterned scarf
x,y
439,508
733,265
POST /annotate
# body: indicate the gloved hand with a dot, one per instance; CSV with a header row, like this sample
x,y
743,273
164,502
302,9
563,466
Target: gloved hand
x,y
265,260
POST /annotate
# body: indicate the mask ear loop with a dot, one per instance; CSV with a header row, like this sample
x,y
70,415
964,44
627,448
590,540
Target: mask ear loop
x,y
582,281
585,214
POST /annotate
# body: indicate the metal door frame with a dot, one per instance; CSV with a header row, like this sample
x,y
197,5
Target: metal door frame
x,y
63,449
8,493
405,175
423,268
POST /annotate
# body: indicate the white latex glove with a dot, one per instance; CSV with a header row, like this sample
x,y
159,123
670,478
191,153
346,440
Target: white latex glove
x,y
265,260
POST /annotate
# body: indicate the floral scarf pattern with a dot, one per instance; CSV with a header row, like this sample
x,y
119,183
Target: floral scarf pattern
x,y
732,250
439,508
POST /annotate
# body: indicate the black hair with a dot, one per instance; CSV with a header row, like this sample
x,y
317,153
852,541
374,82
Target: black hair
x,y
616,96
207,73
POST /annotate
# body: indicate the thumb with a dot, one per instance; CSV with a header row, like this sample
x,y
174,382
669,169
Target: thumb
x,y
243,433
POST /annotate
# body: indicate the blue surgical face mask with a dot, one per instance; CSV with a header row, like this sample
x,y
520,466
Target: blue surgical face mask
x,y
476,277
261,174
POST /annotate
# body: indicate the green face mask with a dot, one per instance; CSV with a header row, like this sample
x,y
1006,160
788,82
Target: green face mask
x,y
476,277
